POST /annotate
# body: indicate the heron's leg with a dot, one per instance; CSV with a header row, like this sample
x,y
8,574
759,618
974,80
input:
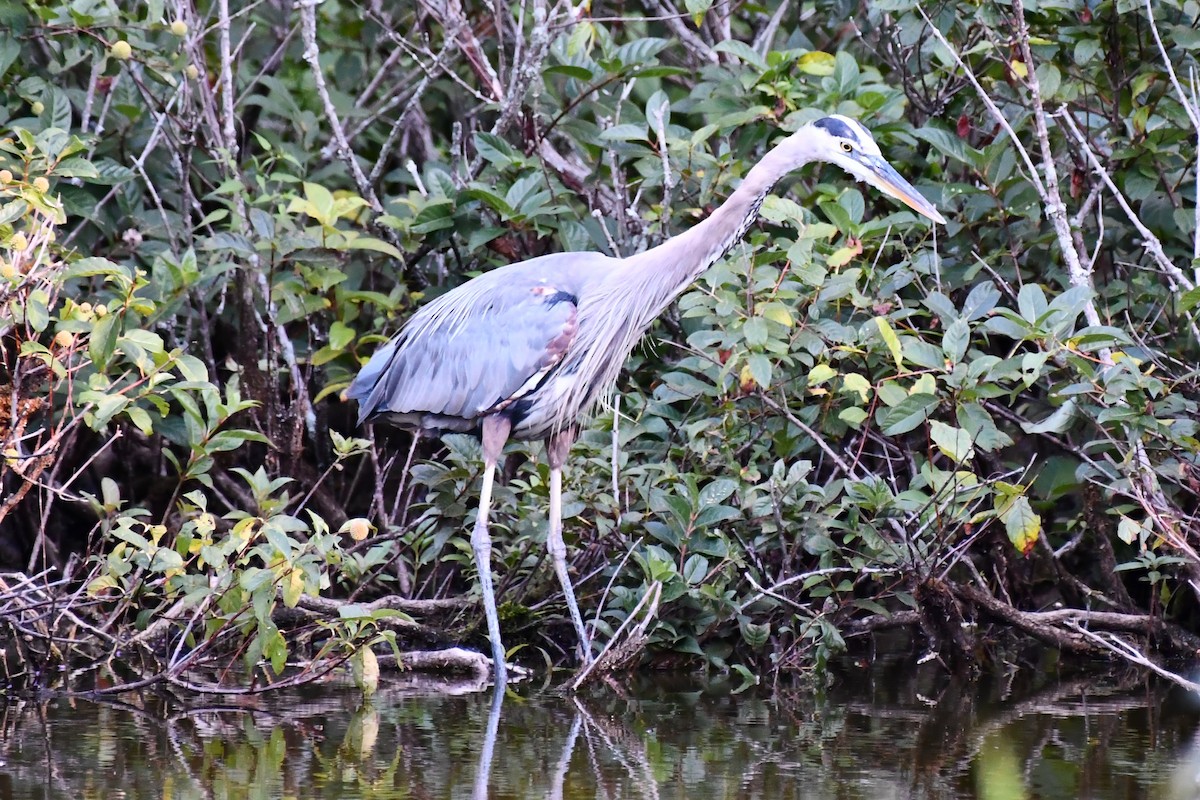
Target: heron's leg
x,y
557,447
495,434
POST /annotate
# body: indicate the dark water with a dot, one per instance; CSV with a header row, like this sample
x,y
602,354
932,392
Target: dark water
x,y
889,736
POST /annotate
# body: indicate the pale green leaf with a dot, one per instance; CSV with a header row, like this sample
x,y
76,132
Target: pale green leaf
x,y
954,443
891,340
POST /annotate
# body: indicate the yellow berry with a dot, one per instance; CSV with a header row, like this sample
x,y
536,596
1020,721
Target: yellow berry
x,y
358,528
41,184
100,310
38,108
192,72
5,177
85,307
179,28
64,338
121,50
7,270
18,241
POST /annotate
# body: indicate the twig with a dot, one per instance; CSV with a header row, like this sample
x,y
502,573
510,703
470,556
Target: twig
x,y
691,40
312,54
771,592
649,601
1056,209
1149,240
1118,646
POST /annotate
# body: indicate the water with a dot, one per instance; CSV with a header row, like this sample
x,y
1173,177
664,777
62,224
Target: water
x,y
922,735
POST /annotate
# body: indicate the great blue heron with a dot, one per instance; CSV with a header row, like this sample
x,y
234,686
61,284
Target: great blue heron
x,y
523,351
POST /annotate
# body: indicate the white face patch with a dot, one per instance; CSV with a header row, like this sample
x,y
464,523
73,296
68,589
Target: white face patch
x,y
865,141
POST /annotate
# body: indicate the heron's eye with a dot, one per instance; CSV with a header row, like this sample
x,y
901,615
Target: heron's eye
x,y
847,147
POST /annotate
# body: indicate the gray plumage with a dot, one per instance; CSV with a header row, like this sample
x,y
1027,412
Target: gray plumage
x,y
526,350
470,353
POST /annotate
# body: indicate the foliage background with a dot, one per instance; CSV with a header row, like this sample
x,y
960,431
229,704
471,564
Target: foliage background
x,y
212,214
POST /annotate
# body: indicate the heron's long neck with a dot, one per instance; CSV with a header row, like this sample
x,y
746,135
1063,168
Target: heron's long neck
x,y
669,268
613,317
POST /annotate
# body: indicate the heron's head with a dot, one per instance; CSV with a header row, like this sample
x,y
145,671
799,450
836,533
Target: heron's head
x,y
846,143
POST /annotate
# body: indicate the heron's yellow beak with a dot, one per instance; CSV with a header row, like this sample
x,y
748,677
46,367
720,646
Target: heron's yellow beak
x,y
881,175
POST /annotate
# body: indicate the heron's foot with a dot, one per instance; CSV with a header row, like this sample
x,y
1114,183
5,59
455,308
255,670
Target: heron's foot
x,y
515,673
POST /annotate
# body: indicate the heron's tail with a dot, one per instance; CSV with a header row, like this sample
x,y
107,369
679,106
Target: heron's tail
x,y
362,389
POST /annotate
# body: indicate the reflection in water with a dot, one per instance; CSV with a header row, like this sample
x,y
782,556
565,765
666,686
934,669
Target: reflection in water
x,y
483,773
922,736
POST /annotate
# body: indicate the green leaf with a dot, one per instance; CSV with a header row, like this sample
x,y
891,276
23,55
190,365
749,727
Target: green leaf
x,y
103,341
853,416
639,51
853,382
148,340
891,340
436,216
92,266
192,368
820,373
139,417
951,145
843,255
570,70
372,244
1189,300
37,314
1086,49
760,369
1049,80
923,354
906,416
365,667
777,312
12,211
625,132
1058,422
695,569
975,419
941,305
1031,302
743,51
76,168
817,63
1128,530
755,331
1022,524
955,340
954,443
491,199
10,48
353,611
321,203
340,335
716,491
980,302
497,151
892,393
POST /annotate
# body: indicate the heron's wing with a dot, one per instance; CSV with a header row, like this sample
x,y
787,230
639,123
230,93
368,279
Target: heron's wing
x,y
470,352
